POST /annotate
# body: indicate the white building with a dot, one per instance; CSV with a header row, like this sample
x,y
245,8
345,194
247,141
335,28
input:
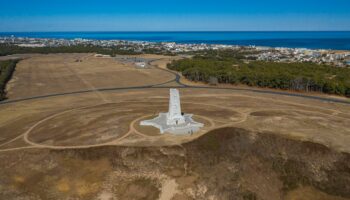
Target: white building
x,y
141,64
174,121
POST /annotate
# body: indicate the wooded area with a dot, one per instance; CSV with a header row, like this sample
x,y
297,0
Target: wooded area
x,y
228,67
6,70
6,49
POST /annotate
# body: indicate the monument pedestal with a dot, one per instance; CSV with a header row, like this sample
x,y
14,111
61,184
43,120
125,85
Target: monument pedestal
x,y
174,121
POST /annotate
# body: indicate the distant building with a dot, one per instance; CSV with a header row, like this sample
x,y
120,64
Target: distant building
x,y
141,64
31,45
102,56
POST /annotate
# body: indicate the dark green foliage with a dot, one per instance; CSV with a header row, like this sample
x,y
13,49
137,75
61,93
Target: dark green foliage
x,y
6,70
288,76
6,49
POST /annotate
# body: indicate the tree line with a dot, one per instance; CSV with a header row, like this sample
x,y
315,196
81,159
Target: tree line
x,y
7,49
6,70
230,69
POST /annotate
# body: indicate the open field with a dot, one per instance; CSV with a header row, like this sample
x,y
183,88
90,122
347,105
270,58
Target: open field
x,y
88,145
58,73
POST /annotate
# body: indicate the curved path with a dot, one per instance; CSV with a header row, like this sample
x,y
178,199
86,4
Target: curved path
x,y
132,129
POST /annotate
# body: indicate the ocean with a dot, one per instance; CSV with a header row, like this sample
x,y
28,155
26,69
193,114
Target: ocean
x,y
339,40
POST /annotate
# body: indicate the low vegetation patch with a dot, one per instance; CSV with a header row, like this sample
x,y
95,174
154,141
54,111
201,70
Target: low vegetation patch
x,y
6,70
140,189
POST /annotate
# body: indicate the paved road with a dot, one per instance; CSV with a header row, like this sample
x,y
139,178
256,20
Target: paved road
x,y
181,85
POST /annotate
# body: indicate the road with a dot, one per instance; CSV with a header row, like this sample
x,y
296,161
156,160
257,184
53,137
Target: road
x,y
180,85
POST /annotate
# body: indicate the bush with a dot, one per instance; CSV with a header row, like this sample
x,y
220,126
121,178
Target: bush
x,y
6,70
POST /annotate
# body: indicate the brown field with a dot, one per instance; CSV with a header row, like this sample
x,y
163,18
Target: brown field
x,y
89,145
60,73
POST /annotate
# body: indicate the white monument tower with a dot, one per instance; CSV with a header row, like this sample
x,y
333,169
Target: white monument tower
x,y
174,116
174,121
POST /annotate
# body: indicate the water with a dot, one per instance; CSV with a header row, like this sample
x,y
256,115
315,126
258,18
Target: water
x,y
312,40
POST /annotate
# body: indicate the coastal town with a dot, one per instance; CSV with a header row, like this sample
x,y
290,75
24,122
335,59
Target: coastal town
x,y
338,58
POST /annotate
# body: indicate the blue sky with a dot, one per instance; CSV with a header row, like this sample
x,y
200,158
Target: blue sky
x,y
174,15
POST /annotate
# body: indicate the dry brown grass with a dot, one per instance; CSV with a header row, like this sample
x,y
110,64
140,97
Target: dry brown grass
x,y
204,164
59,73
309,193
312,120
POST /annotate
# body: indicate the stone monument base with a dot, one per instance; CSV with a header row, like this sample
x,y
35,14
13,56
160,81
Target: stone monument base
x,y
160,122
